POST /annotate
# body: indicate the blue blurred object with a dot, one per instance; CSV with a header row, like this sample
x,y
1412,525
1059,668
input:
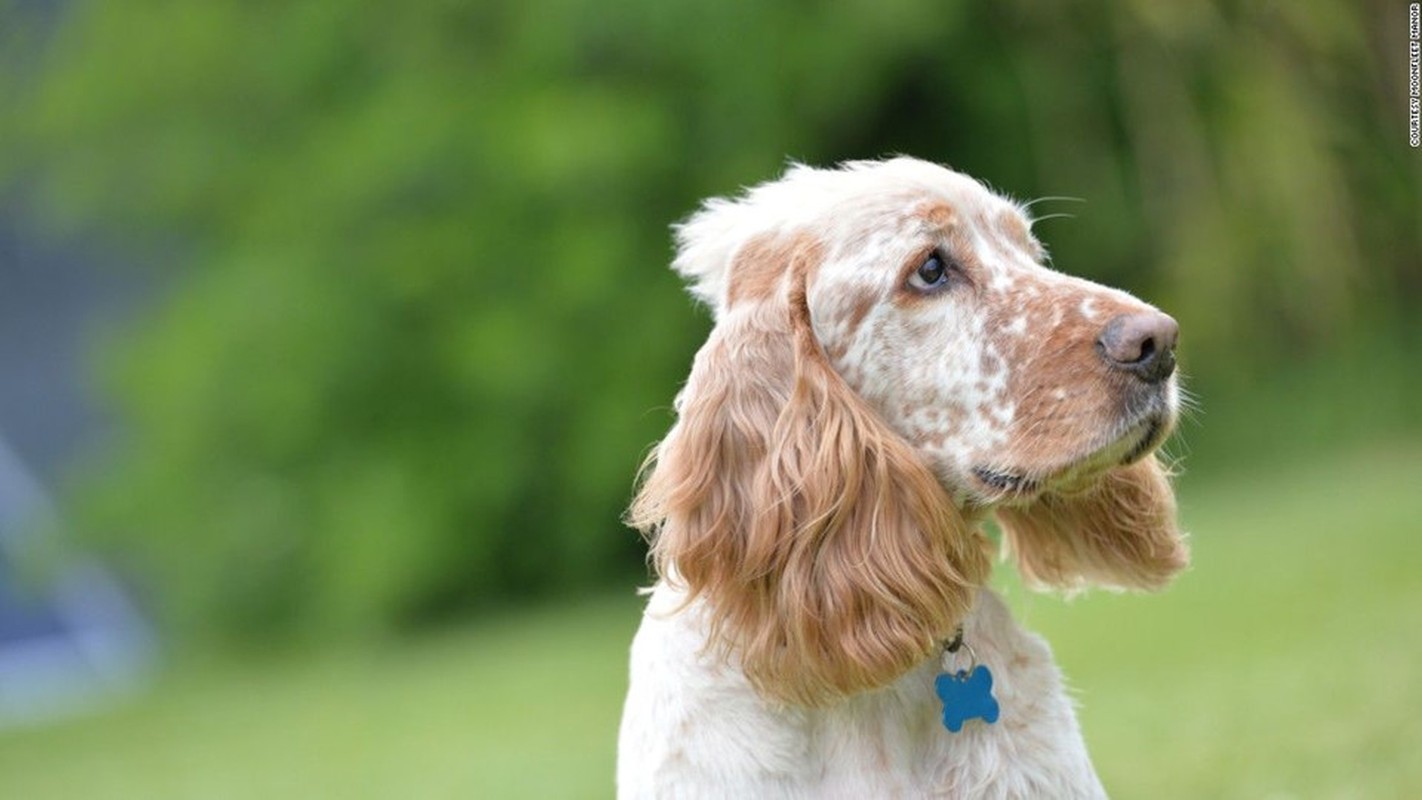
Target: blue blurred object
x,y
70,635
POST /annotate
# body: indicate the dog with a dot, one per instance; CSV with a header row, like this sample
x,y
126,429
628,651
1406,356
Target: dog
x,y
892,364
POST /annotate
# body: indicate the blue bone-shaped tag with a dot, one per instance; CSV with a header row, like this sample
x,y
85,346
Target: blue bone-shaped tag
x,y
966,695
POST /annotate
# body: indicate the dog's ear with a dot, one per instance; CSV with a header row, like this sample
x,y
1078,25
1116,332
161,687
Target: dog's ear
x,y
827,557
1119,533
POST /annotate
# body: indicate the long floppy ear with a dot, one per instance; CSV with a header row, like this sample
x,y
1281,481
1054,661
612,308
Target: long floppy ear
x,y
829,558
1120,533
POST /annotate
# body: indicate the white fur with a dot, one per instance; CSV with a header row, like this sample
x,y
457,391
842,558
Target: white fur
x,y
693,728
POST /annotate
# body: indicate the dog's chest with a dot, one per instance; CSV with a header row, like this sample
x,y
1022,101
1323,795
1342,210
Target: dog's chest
x,y
693,728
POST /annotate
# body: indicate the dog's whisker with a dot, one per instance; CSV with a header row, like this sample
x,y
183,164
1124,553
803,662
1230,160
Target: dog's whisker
x,y
1051,197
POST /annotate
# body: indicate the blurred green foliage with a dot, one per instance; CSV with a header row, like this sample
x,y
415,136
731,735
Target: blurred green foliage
x,y
420,330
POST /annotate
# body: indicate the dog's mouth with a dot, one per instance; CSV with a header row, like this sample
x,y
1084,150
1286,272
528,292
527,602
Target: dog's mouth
x,y
1006,482
1132,444
1156,428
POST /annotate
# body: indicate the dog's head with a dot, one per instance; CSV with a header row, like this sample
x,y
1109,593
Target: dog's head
x,y
890,362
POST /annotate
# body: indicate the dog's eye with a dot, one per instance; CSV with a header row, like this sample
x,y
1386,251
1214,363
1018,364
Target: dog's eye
x,y
931,275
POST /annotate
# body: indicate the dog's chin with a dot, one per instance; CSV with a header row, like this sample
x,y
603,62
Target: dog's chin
x,y
995,484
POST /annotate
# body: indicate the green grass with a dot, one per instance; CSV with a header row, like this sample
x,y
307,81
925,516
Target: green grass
x,y
1282,665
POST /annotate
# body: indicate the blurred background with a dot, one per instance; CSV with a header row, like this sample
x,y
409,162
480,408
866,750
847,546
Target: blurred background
x,y
332,336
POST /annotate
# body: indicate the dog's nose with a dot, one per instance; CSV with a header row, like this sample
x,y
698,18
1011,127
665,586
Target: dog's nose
x,y
1142,344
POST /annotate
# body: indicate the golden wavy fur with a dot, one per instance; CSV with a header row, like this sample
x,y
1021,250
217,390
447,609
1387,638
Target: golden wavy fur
x,y
1120,532
830,558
